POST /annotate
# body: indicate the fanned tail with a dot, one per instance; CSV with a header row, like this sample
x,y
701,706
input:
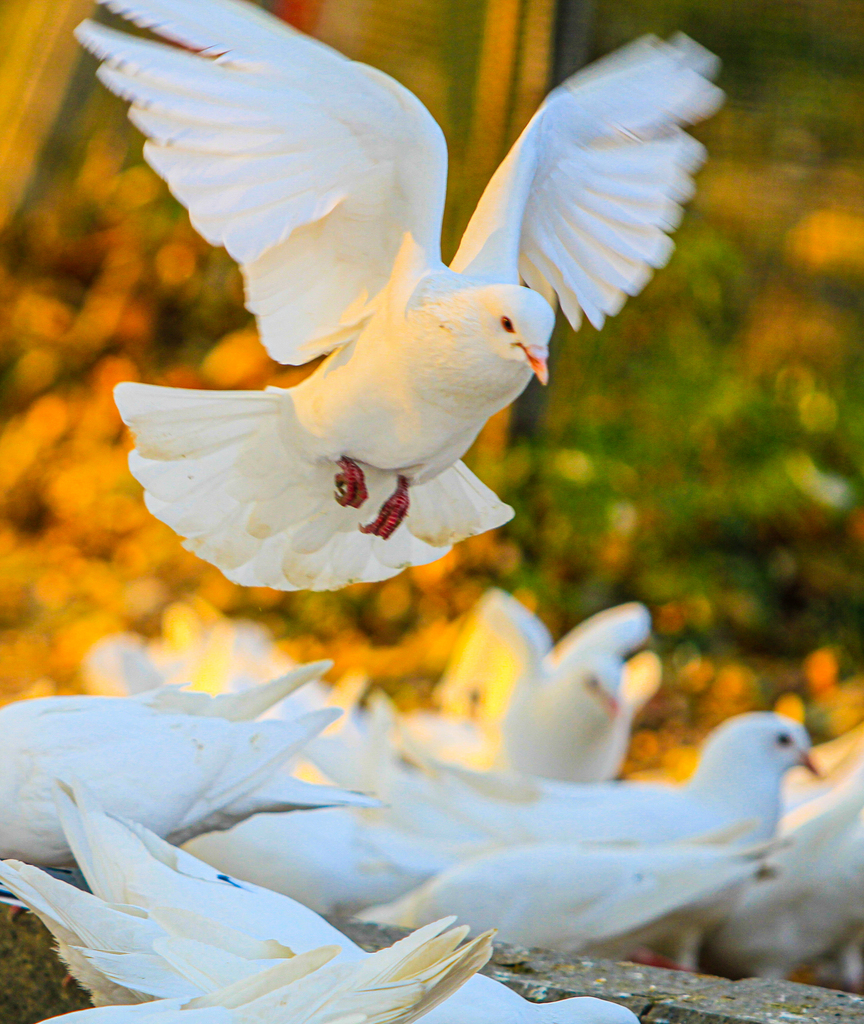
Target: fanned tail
x,y
227,471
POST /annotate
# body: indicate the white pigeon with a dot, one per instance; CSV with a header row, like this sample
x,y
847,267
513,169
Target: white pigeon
x,y
436,815
563,711
325,179
137,874
811,914
602,900
197,646
572,720
252,982
739,777
179,761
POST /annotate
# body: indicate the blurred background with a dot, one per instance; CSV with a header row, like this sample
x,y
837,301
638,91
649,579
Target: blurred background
x,y
704,453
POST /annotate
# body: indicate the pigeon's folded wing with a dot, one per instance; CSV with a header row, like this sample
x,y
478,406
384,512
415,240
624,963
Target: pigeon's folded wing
x,y
309,168
583,202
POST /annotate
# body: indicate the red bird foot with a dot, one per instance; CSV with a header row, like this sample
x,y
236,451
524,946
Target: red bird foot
x,y
16,912
651,959
350,484
393,511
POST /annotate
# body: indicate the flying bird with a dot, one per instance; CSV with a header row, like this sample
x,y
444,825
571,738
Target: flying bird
x,y
325,179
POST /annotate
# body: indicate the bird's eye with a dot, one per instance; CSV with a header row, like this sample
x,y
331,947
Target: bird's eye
x,y
784,740
507,324
593,683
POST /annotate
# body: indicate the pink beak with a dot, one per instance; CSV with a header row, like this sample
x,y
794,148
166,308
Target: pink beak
x,y
537,360
612,706
807,762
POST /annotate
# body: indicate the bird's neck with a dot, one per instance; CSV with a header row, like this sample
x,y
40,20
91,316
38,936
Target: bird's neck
x,y
739,790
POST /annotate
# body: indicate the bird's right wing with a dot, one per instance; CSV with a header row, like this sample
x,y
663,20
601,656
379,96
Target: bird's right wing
x,y
308,167
614,631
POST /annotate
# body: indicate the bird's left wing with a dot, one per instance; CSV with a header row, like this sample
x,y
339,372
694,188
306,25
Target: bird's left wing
x,y
582,204
308,167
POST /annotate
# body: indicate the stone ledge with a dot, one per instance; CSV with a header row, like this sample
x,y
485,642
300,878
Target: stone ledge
x,y
656,996
31,983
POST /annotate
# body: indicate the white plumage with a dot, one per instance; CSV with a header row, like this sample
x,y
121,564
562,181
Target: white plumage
x,y
325,179
161,890
202,965
190,762
601,900
812,912
436,816
513,700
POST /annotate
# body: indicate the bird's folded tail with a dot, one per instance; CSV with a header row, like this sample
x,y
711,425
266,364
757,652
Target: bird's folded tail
x,y
229,471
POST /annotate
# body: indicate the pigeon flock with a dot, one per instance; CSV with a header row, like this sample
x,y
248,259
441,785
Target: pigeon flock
x,y
187,874
181,828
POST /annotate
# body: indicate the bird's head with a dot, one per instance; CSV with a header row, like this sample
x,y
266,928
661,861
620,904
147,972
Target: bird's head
x,y
761,743
517,323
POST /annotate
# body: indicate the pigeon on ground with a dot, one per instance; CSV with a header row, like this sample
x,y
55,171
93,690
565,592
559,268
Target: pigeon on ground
x,y
244,981
562,712
179,761
437,815
738,778
325,179
134,873
811,913
594,899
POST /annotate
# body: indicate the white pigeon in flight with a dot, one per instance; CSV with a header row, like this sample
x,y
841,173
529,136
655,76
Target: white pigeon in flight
x,y
179,761
325,179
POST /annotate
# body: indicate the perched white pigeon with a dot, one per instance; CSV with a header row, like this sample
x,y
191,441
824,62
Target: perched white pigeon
x,y
811,913
179,761
605,900
738,779
436,815
252,982
139,875
325,179
562,712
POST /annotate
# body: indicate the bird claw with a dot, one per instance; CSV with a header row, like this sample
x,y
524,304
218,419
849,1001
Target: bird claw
x,y
350,484
392,512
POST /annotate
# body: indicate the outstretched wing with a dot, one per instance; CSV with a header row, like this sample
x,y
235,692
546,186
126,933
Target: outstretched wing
x,y
308,167
583,202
